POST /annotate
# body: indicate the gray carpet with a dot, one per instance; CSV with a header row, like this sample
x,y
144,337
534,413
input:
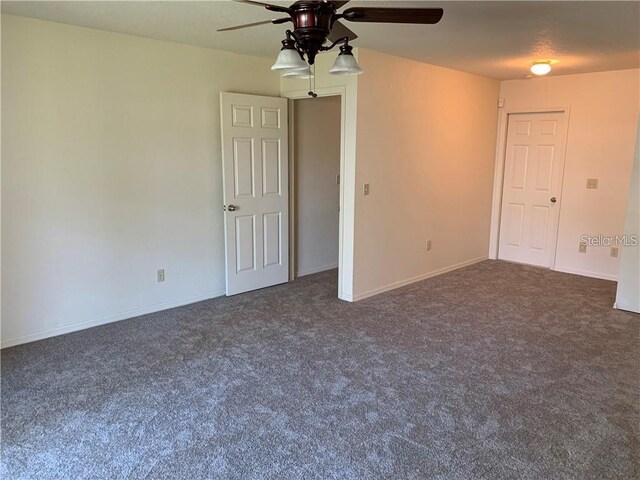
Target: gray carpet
x,y
495,371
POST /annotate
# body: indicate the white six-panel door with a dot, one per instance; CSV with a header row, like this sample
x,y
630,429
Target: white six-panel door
x,y
531,195
256,190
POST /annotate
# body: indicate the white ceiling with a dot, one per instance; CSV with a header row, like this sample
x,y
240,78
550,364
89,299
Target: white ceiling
x,y
494,39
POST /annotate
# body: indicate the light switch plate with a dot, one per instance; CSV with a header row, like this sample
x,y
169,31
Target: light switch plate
x,y
592,183
614,251
365,189
582,248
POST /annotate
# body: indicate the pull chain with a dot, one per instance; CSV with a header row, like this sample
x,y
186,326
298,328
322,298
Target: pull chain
x,y
312,81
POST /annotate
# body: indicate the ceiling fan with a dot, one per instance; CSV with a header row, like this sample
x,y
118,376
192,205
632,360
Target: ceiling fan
x,y
317,21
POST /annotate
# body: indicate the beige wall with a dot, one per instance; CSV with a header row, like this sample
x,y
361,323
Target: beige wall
x,y
111,169
426,145
601,139
317,163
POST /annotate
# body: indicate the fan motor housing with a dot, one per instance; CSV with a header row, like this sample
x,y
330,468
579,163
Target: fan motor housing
x,y
312,22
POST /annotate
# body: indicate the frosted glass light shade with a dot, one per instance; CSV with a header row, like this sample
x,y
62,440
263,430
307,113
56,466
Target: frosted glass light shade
x,y
300,73
289,59
540,68
345,64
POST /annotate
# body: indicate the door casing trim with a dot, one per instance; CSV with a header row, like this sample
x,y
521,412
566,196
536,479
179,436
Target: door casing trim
x,y
498,176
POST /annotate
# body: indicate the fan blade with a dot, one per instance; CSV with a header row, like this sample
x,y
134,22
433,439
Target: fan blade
x,y
339,4
340,30
394,15
268,6
275,21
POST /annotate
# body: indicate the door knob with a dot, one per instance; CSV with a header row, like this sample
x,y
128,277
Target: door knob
x,y
232,208
554,199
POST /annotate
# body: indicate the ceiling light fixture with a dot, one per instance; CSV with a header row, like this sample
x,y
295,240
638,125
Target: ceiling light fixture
x,y
316,22
541,68
291,58
301,73
345,63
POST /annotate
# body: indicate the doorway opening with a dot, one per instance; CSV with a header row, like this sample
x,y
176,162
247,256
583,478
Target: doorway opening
x,y
315,184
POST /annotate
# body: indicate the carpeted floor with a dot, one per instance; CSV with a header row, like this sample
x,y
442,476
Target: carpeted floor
x,y
495,371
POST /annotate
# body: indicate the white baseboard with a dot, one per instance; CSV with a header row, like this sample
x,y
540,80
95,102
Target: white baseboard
x,y
408,281
585,273
627,307
74,327
311,271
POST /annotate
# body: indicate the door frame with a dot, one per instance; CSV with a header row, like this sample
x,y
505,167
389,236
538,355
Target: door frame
x,y
498,177
338,91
